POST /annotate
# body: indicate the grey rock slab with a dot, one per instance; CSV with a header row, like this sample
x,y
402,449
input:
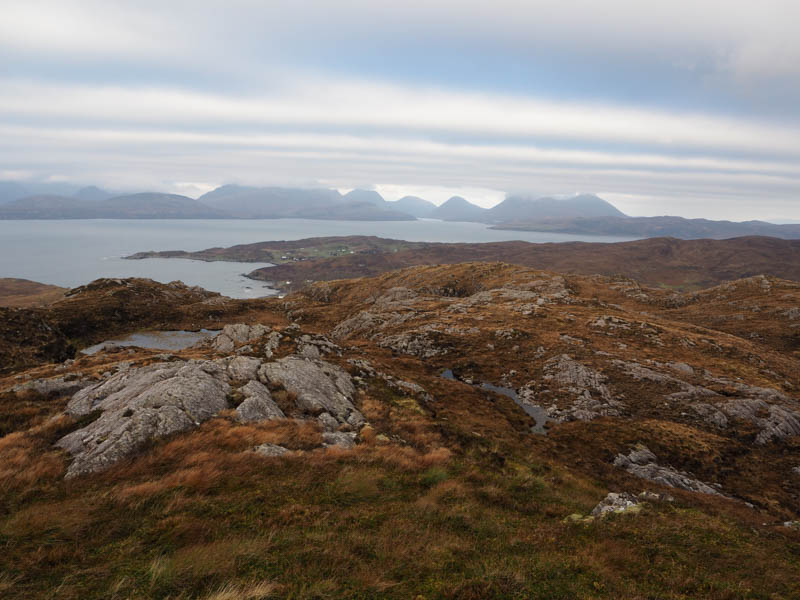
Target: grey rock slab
x,y
776,422
642,463
258,404
141,405
318,385
711,414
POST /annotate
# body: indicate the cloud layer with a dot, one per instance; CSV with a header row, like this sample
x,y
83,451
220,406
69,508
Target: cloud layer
x,y
689,108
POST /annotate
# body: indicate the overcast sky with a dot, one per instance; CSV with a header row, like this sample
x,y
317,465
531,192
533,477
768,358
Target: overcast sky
x,y
685,107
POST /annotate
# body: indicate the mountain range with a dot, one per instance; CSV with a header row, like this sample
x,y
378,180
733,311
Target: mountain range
x,y
585,214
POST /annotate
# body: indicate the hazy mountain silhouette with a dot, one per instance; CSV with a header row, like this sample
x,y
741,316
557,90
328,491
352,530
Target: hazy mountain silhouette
x,y
459,209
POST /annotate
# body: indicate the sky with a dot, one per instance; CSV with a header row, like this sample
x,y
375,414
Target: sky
x,y
690,107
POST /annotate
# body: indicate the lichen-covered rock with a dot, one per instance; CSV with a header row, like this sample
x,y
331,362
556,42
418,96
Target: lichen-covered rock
x,y
272,343
367,322
318,385
243,368
328,422
141,405
615,503
711,414
315,346
258,404
414,343
237,333
591,396
642,463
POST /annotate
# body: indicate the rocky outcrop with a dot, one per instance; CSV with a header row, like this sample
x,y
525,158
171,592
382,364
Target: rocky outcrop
x,y
272,343
315,346
776,422
711,414
258,404
367,322
140,405
591,398
62,386
615,503
642,463
320,387
242,368
236,334
414,343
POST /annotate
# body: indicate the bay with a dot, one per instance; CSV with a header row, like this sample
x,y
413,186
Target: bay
x,y
74,252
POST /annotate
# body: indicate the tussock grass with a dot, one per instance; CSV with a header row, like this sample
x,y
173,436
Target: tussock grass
x,y
446,514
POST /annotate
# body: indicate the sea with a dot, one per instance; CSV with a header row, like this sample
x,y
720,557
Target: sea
x,y
70,253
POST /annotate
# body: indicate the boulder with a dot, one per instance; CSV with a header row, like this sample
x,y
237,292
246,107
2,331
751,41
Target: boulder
x,y
258,404
243,368
615,503
270,450
340,439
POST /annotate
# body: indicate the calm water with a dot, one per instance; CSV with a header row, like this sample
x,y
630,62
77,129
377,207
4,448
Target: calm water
x,y
156,340
73,252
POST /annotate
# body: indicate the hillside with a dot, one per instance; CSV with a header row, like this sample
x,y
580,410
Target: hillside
x,y
48,207
435,431
148,205
646,227
678,264
22,293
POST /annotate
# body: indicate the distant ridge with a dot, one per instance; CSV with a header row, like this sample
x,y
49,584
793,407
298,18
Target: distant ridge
x,y
459,209
147,205
516,208
649,227
414,206
93,193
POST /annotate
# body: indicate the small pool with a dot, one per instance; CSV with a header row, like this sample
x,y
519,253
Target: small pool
x,y
537,412
155,340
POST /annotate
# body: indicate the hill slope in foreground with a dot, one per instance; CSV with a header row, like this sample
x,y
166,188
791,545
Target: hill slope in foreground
x,y
383,438
22,293
667,262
